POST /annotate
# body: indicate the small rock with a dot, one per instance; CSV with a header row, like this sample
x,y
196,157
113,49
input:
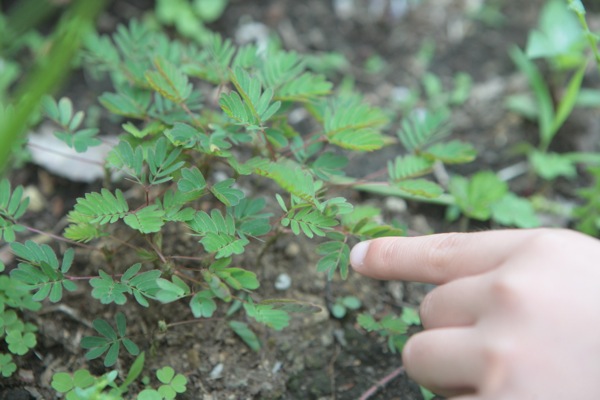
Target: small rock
x,y
292,250
217,371
37,202
276,367
344,9
283,282
396,289
395,204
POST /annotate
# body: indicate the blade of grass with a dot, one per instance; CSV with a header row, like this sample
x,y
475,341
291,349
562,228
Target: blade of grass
x,y
48,73
567,102
541,93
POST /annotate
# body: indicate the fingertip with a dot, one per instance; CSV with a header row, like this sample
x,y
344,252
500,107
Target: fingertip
x,y
358,254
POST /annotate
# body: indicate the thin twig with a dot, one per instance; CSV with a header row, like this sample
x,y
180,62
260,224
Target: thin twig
x,y
379,385
60,238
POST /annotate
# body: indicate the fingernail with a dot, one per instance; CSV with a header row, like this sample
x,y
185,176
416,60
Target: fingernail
x,y
358,253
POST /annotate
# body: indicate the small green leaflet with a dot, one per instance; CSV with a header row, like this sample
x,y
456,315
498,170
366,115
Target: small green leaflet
x,y
245,333
107,290
169,81
290,176
309,221
171,291
238,278
512,210
475,196
250,105
421,188
219,233
420,130
268,315
291,305
63,115
409,166
12,207
354,125
162,165
202,304
131,161
41,270
226,193
172,383
146,220
183,135
452,152
217,287
141,285
223,245
127,102
110,341
336,255
102,208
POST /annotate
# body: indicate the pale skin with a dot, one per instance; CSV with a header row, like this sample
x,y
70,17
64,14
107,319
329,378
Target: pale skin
x,y
516,314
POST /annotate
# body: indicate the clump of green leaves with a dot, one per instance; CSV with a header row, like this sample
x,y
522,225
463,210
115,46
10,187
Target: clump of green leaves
x,y
18,335
82,385
340,307
201,125
109,341
189,17
560,41
391,327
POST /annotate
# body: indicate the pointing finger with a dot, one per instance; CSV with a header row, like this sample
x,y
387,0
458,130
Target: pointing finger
x,y
437,258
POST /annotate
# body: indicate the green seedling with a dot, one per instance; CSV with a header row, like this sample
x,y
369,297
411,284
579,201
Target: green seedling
x,y
340,308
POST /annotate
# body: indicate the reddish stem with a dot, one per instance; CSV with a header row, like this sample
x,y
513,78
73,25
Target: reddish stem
x,y
379,385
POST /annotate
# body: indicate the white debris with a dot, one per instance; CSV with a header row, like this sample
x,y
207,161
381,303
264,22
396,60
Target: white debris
x,y
217,371
277,367
54,155
283,282
253,32
344,9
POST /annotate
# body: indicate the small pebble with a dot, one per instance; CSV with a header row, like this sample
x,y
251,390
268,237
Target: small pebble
x,y
395,204
217,371
276,367
37,201
283,282
292,250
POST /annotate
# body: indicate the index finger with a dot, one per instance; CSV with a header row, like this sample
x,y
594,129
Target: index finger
x,y
436,258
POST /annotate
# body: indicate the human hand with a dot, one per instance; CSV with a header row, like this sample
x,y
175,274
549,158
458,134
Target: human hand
x,y
516,315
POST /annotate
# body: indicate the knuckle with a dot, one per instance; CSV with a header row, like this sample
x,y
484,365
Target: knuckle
x,y
425,310
498,356
507,291
545,239
441,253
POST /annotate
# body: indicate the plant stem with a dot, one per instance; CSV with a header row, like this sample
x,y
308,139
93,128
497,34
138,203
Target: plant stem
x,y
60,238
588,34
384,381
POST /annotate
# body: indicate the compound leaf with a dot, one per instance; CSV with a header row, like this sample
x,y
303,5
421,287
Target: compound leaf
x,y
147,220
103,207
169,81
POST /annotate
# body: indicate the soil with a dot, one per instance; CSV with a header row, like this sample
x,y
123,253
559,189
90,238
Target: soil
x,y
318,356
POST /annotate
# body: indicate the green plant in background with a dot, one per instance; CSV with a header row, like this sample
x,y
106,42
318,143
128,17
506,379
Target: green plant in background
x,y
391,327
23,103
340,308
18,335
560,40
82,385
587,214
190,16
110,341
